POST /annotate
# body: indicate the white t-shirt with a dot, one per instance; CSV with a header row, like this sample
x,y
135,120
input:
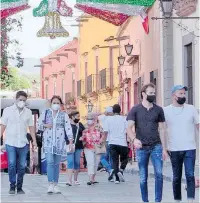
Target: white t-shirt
x,y
102,120
116,127
181,127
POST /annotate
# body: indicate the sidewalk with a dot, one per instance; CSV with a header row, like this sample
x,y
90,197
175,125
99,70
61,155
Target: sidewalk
x,y
167,171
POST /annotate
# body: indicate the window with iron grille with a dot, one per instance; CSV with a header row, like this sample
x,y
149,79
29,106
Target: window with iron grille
x,y
189,72
79,88
102,79
68,96
89,84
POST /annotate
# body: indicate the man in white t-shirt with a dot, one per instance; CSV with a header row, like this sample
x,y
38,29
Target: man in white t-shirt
x,y
182,120
116,126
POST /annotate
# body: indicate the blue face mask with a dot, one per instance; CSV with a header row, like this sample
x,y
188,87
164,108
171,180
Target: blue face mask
x,y
90,122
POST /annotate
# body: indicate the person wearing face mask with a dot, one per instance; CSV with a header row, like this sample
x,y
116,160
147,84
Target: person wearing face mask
x,y
15,121
92,135
55,125
181,120
146,130
73,159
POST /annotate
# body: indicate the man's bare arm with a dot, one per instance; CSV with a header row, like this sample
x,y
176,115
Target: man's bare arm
x,y
3,128
32,132
163,134
131,130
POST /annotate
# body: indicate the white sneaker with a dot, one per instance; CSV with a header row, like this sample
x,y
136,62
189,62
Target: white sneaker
x,y
117,182
56,189
121,176
50,188
77,183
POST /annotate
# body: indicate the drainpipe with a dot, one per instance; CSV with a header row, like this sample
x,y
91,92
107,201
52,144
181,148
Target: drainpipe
x,y
168,60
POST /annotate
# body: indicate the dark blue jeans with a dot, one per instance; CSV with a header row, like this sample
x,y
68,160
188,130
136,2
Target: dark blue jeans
x,y
143,156
16,165
188,158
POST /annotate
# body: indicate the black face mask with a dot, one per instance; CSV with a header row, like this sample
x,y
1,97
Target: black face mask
x,y
76,120
151,98
181,100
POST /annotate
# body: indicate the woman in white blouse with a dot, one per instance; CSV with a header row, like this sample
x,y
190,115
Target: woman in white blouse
x,y
56,128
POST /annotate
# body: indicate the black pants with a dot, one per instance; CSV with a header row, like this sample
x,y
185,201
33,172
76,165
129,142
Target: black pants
x,y
118,153
188,158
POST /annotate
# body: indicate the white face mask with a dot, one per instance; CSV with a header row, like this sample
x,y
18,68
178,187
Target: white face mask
x,y
21,104
55,107
90,122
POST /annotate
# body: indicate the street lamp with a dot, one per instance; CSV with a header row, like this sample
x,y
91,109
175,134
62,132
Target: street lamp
x,y
167,7
128,48
121,60
90,106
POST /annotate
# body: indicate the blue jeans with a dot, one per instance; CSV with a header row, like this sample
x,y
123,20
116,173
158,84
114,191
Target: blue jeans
x,y
73,159
53,167
143,156
188,158
16,165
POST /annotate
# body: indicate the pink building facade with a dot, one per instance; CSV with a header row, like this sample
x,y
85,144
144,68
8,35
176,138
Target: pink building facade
x,y
59,73
143,65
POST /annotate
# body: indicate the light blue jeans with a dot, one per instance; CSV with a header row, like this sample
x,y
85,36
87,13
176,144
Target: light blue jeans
x,y
53,167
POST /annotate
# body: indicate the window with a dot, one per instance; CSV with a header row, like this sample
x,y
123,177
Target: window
x,y
54,91
86,65
97,72
46,91
89,84
79,88
68,97
189,72
103,79
63,95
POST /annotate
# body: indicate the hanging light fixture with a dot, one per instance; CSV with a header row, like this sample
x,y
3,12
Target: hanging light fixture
x,y
121,60
128,48
167,7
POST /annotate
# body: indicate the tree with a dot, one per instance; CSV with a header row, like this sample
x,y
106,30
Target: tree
x,y
17,81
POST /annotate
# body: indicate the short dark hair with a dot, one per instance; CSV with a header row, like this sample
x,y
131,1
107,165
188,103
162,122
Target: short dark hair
x,y
57,97
116,108
21,93
144,88
73,113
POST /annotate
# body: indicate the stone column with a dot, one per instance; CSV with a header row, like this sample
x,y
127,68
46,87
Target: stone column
x,y
168,60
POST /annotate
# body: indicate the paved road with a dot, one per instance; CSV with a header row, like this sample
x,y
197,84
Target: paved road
x,y
35,187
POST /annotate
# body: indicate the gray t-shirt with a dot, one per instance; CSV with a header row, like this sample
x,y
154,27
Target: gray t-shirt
x,y
180,123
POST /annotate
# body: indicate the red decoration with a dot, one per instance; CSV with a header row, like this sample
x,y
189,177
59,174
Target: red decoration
x,y
111,17
145,22
4,160
10,11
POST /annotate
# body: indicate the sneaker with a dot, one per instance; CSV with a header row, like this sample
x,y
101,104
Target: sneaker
x,y
69,184
77,183
110,178
50,188
20,192
12,191
56,189
117,182
121,176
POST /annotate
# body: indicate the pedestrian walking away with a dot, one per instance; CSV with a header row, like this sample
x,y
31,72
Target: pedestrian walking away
x,y
73,158
116,126
56,128
181,120
15,121
146,129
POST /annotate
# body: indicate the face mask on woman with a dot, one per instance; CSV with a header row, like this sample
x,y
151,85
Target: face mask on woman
x,y
90,122
55,107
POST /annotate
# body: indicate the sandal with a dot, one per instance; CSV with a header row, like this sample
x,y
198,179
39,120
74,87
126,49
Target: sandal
x,y
95,182
69,184
90,183
76,183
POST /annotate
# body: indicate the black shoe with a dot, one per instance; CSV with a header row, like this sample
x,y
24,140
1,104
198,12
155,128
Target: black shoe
x,y
90,183
12,191
110,177
20,192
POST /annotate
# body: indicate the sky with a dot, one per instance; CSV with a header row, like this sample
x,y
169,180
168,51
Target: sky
x,y
32,47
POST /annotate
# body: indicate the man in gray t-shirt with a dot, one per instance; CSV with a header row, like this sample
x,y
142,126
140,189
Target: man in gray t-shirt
x,y
181,120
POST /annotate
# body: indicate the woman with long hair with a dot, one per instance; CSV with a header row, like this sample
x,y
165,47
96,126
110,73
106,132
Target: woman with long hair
x,y
73,158
55,125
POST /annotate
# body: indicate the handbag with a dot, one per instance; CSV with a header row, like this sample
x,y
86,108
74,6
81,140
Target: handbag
x,y
4,160
71,148
100,148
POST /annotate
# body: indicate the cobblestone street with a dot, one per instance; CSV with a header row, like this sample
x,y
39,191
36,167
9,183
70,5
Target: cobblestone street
x,y
35,187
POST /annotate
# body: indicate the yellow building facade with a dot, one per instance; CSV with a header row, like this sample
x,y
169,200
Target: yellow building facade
x,y
98,66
